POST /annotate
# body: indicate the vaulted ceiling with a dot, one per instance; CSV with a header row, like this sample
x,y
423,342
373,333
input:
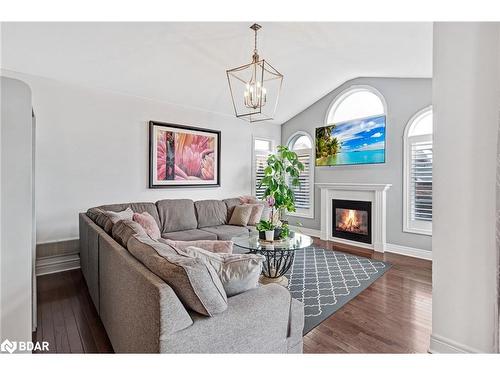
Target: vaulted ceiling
x,y
185,63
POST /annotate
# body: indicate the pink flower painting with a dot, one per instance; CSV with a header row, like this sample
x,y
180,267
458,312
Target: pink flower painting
x,y
185,156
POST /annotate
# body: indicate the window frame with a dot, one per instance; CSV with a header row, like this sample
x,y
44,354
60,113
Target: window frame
x,y
254,154
305,213
409,225
340,97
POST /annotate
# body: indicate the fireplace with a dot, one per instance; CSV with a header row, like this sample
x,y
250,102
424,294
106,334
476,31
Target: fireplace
x,y
352,220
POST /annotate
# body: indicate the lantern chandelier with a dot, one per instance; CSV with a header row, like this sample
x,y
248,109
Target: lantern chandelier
x,y
255,87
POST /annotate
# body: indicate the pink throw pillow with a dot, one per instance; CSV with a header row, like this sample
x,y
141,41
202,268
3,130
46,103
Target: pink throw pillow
x,y
256,214
248,199
209,245
148,222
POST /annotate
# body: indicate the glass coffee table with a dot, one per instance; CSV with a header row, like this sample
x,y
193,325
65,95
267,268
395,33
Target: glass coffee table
x,y
279,254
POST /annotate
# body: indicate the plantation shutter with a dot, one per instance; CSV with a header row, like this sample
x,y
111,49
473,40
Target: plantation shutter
x,y
302,192
420,182
260,165
262,148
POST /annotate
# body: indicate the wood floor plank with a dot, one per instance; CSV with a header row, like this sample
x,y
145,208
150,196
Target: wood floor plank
x,y
88,343
393,315
45,307
96,328
73,334
60,332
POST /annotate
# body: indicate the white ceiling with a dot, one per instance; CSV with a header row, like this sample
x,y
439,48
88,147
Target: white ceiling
x,y
185,63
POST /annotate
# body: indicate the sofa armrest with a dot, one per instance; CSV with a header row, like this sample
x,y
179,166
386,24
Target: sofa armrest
x,y
137,307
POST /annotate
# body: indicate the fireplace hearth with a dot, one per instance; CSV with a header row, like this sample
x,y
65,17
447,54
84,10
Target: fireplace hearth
x,y
352,220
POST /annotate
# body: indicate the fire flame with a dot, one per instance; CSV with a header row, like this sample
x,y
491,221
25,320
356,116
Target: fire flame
x,y
349,221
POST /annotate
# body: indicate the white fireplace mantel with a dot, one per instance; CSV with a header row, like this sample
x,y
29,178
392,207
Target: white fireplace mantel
x,y
375,193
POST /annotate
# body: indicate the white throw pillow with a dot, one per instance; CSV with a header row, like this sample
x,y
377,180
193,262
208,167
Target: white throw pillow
x,y
121,215
237,272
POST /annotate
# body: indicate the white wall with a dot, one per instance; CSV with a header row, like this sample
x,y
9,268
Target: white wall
x,y
16,247
92,148
465,102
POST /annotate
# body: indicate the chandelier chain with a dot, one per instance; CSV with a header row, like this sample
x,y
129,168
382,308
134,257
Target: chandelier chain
x,y
255,41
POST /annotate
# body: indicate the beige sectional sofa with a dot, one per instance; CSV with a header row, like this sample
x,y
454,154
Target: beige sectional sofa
x,y
142,313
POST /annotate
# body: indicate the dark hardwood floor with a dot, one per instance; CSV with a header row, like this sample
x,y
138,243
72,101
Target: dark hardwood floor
x,y
393,315
66,315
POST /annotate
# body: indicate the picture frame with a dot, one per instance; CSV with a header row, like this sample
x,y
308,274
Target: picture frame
x,y
183,156
359,141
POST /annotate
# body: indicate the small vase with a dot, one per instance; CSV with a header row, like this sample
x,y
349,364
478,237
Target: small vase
x,y
269,235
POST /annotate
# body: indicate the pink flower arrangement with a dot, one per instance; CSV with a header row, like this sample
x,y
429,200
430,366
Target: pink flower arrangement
x,y
271,201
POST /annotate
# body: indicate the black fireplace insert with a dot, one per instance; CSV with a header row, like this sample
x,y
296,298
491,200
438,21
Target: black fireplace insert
x,y
352,220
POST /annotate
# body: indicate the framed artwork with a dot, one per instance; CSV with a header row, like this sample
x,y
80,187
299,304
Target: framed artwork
x,y
183,156
360,141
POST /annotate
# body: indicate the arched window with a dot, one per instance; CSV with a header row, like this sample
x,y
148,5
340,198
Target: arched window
x,y
355,129
417,205
302,144
357,102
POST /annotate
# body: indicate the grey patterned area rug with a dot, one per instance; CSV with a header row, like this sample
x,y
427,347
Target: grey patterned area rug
x,y
325,280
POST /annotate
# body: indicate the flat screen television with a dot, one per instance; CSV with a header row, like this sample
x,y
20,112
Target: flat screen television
x,y
359,141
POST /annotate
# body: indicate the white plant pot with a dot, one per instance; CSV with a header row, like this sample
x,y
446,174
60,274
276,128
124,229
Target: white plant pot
x,y
269,235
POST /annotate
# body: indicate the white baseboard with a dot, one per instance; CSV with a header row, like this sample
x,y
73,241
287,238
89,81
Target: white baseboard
x,y
308,231
57,263
408,251
442,345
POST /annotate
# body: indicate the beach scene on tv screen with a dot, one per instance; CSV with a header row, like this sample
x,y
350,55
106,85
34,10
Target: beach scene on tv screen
x,y
352,142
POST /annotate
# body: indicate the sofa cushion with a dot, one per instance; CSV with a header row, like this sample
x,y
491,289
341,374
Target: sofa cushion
x,y
176,215
257,321
237,272
211,213
193,280
93,213
102,220
189,235
124,229
241,215
253,230
139,207
226,232
214,246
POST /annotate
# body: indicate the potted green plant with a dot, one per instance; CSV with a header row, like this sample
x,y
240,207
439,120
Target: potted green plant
x,y
266,227
280,175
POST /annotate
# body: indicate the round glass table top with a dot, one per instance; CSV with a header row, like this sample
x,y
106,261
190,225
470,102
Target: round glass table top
x,y
253,243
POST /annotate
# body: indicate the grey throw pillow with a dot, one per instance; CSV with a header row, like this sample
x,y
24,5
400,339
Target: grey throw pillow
x,y
124,229
241,215
237,272
195,281
103,221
